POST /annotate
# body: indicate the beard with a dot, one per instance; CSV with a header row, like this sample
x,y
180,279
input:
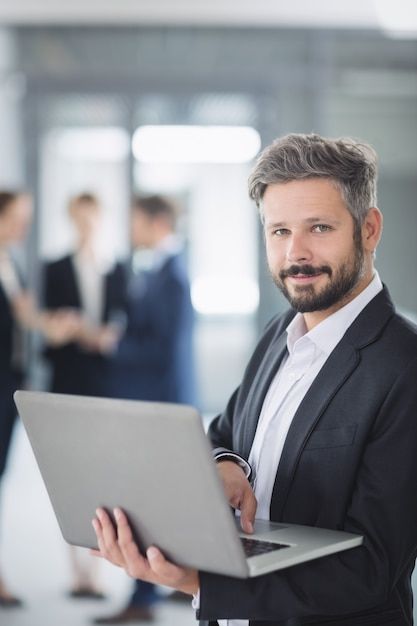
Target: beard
x,y
342,280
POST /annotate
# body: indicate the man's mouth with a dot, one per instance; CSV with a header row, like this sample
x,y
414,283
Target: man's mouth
x,y
304,273
304,278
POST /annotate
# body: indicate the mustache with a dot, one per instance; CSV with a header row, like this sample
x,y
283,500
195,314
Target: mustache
x,y
306,270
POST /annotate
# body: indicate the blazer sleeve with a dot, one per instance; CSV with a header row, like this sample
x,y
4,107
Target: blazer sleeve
x,y
383,508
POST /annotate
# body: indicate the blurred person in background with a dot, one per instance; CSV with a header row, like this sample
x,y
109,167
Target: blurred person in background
x,y
92,287
15,216
18,313
154,359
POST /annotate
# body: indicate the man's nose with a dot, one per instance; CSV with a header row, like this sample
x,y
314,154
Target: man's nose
x,y
298,249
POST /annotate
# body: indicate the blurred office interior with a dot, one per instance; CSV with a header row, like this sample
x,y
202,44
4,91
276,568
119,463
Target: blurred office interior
x,y
178,98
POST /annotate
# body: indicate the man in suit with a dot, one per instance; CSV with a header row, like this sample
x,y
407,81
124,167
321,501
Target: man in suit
x,y
324,423
154,359
92,288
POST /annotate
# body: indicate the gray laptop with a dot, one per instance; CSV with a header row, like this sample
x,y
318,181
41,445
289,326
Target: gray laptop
x,y
154,461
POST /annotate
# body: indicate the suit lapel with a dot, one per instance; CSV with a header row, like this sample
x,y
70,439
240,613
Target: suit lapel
x,y
71,284
109,303
259,389
342,361
338,367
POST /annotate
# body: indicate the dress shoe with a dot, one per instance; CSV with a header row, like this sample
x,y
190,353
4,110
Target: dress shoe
x,y
86,593
130,614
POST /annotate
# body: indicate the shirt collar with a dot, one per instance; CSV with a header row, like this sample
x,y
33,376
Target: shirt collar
x,y
329,332
169,246
99,262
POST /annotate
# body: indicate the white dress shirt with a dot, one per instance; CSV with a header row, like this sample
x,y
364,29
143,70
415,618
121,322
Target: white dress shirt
x,y
167,247
307,353
90,280
8,276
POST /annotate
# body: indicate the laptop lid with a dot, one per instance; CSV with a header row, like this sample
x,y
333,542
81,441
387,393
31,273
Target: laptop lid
x,y
154,461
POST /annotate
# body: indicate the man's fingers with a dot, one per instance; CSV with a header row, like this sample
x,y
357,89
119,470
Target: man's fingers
x,y
107,528
125,538
106,537
102,549
124,532
135,563
239,492
248,511
119,547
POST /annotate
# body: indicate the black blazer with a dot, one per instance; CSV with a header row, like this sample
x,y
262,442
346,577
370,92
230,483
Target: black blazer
x,y
349,462
7,328
73,369
6,333
11,377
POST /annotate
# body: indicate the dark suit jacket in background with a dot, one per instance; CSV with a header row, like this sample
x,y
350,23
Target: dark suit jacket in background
x,y
155,357
75,370
10,378
349,463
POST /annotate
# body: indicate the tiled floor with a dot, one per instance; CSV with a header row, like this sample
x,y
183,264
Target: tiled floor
x,y
35,558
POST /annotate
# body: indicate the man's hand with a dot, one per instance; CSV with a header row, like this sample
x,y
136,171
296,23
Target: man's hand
x,y
118,546
238,492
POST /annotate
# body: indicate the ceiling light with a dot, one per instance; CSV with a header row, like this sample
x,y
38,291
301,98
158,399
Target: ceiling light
x,y
195,144
397,17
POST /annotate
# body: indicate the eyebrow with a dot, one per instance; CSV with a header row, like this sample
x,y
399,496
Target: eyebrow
x,y
310,220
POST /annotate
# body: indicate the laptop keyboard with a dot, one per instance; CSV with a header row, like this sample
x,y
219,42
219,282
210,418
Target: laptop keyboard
x,y
253,547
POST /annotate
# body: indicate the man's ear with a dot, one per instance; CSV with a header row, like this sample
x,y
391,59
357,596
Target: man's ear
x,y
372,229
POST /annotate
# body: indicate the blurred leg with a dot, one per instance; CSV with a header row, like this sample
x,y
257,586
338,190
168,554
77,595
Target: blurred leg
x,y
139,607
7,421
85,574
144,594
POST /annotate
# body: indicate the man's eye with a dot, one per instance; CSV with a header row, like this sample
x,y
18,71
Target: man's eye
x,y
321,228
279,232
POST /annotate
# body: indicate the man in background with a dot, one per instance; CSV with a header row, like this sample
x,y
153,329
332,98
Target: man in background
x,y
154,359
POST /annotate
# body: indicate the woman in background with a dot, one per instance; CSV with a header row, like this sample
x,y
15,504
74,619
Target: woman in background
x,y
92,288
18,314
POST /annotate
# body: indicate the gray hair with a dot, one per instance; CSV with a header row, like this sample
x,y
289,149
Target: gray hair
x,y
350,164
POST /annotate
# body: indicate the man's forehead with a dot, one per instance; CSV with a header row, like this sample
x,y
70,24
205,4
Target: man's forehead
x,y
321,196
324,217
311,185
